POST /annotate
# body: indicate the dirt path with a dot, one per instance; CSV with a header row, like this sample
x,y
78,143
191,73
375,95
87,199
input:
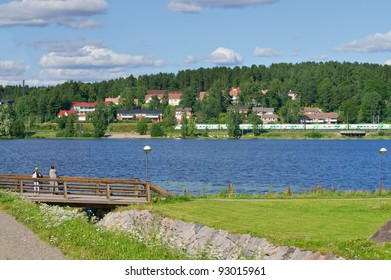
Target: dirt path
x,y
19,243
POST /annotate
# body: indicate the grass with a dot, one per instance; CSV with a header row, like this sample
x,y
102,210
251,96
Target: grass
x,y
321,221
76,236
342,226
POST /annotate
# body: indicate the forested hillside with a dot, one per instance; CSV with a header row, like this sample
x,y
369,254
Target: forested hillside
x,y
357,92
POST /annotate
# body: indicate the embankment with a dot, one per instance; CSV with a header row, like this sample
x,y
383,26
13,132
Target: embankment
x,y
202,241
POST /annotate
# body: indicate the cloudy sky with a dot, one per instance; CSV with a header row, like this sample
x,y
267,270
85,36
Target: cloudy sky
x,y
46,42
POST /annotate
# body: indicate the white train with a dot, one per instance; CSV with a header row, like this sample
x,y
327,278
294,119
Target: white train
x,y
362,126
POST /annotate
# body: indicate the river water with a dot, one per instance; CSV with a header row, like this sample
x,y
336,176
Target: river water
x,y
208,166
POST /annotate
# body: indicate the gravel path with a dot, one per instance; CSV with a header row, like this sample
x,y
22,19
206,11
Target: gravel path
x,y
19,243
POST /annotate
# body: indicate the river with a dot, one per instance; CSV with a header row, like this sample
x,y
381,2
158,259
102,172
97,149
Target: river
x,y
208,166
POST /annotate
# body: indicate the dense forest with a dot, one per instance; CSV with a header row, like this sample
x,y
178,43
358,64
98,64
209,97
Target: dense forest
x,y
357,92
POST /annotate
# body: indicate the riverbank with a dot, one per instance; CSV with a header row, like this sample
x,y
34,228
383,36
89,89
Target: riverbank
x,y
281,226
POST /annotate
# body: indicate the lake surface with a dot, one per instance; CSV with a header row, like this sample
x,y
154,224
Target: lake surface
x,y
208,166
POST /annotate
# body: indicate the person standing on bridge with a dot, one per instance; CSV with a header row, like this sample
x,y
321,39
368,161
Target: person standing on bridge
x,y
36,174
53,175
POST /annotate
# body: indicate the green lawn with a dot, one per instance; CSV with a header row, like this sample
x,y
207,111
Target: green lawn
x,y
341,226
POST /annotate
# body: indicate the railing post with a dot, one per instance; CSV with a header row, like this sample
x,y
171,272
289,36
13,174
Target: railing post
x,y
21,187
65,190
108,191
136,188
97,189
148,191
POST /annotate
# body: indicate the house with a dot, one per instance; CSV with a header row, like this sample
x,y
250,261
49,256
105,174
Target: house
x,y
83,107
179,113
316,116
9,102
234,93
173,97
152,93
66,113
115,100
267,115
137,114
202,95
292,95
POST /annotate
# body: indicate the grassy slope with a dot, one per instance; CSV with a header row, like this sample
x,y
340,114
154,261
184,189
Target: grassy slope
x,y
342,226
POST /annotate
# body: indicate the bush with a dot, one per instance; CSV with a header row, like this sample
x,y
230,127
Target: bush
x,y
157,130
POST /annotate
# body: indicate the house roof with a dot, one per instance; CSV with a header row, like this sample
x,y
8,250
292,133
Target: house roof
x,y
175,95
269,116
202,94
66,112
234,91
115,100
159,93
83,104
263,109
314,110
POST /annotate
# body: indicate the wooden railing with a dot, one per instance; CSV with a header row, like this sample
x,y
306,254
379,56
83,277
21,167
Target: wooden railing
x,y
72,190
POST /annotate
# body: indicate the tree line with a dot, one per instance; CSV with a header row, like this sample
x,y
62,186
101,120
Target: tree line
x,y
358,92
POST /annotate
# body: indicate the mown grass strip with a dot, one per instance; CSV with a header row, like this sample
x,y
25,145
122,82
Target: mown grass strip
x,y
342,226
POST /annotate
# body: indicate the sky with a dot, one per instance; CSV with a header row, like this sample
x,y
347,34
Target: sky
x,y
48,42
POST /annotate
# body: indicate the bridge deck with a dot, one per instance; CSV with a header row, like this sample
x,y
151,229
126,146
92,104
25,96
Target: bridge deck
x,y
80,191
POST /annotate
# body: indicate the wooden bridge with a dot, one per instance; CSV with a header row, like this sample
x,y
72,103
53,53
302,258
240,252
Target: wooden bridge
x,y
81,191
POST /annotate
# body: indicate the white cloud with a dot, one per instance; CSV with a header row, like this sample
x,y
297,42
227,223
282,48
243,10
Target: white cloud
x,y
12,70
71,13
388,62
94,57
196,6
224,56
378,42
91,63
266,52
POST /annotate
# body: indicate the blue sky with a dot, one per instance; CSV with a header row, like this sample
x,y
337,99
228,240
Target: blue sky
x,y
46,42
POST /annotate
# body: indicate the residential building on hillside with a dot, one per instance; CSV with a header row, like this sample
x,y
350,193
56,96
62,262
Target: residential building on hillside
x,y
179,113
316,116
173,97
267,115
153,115
234,93
66,113
292,95
115,100
83,107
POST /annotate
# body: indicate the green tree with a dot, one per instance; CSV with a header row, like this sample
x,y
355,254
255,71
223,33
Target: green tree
x,y
255,121
233,122
290,112
191,126
142,126
6,119
184,126
169,118
99,119
69,130
18,129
